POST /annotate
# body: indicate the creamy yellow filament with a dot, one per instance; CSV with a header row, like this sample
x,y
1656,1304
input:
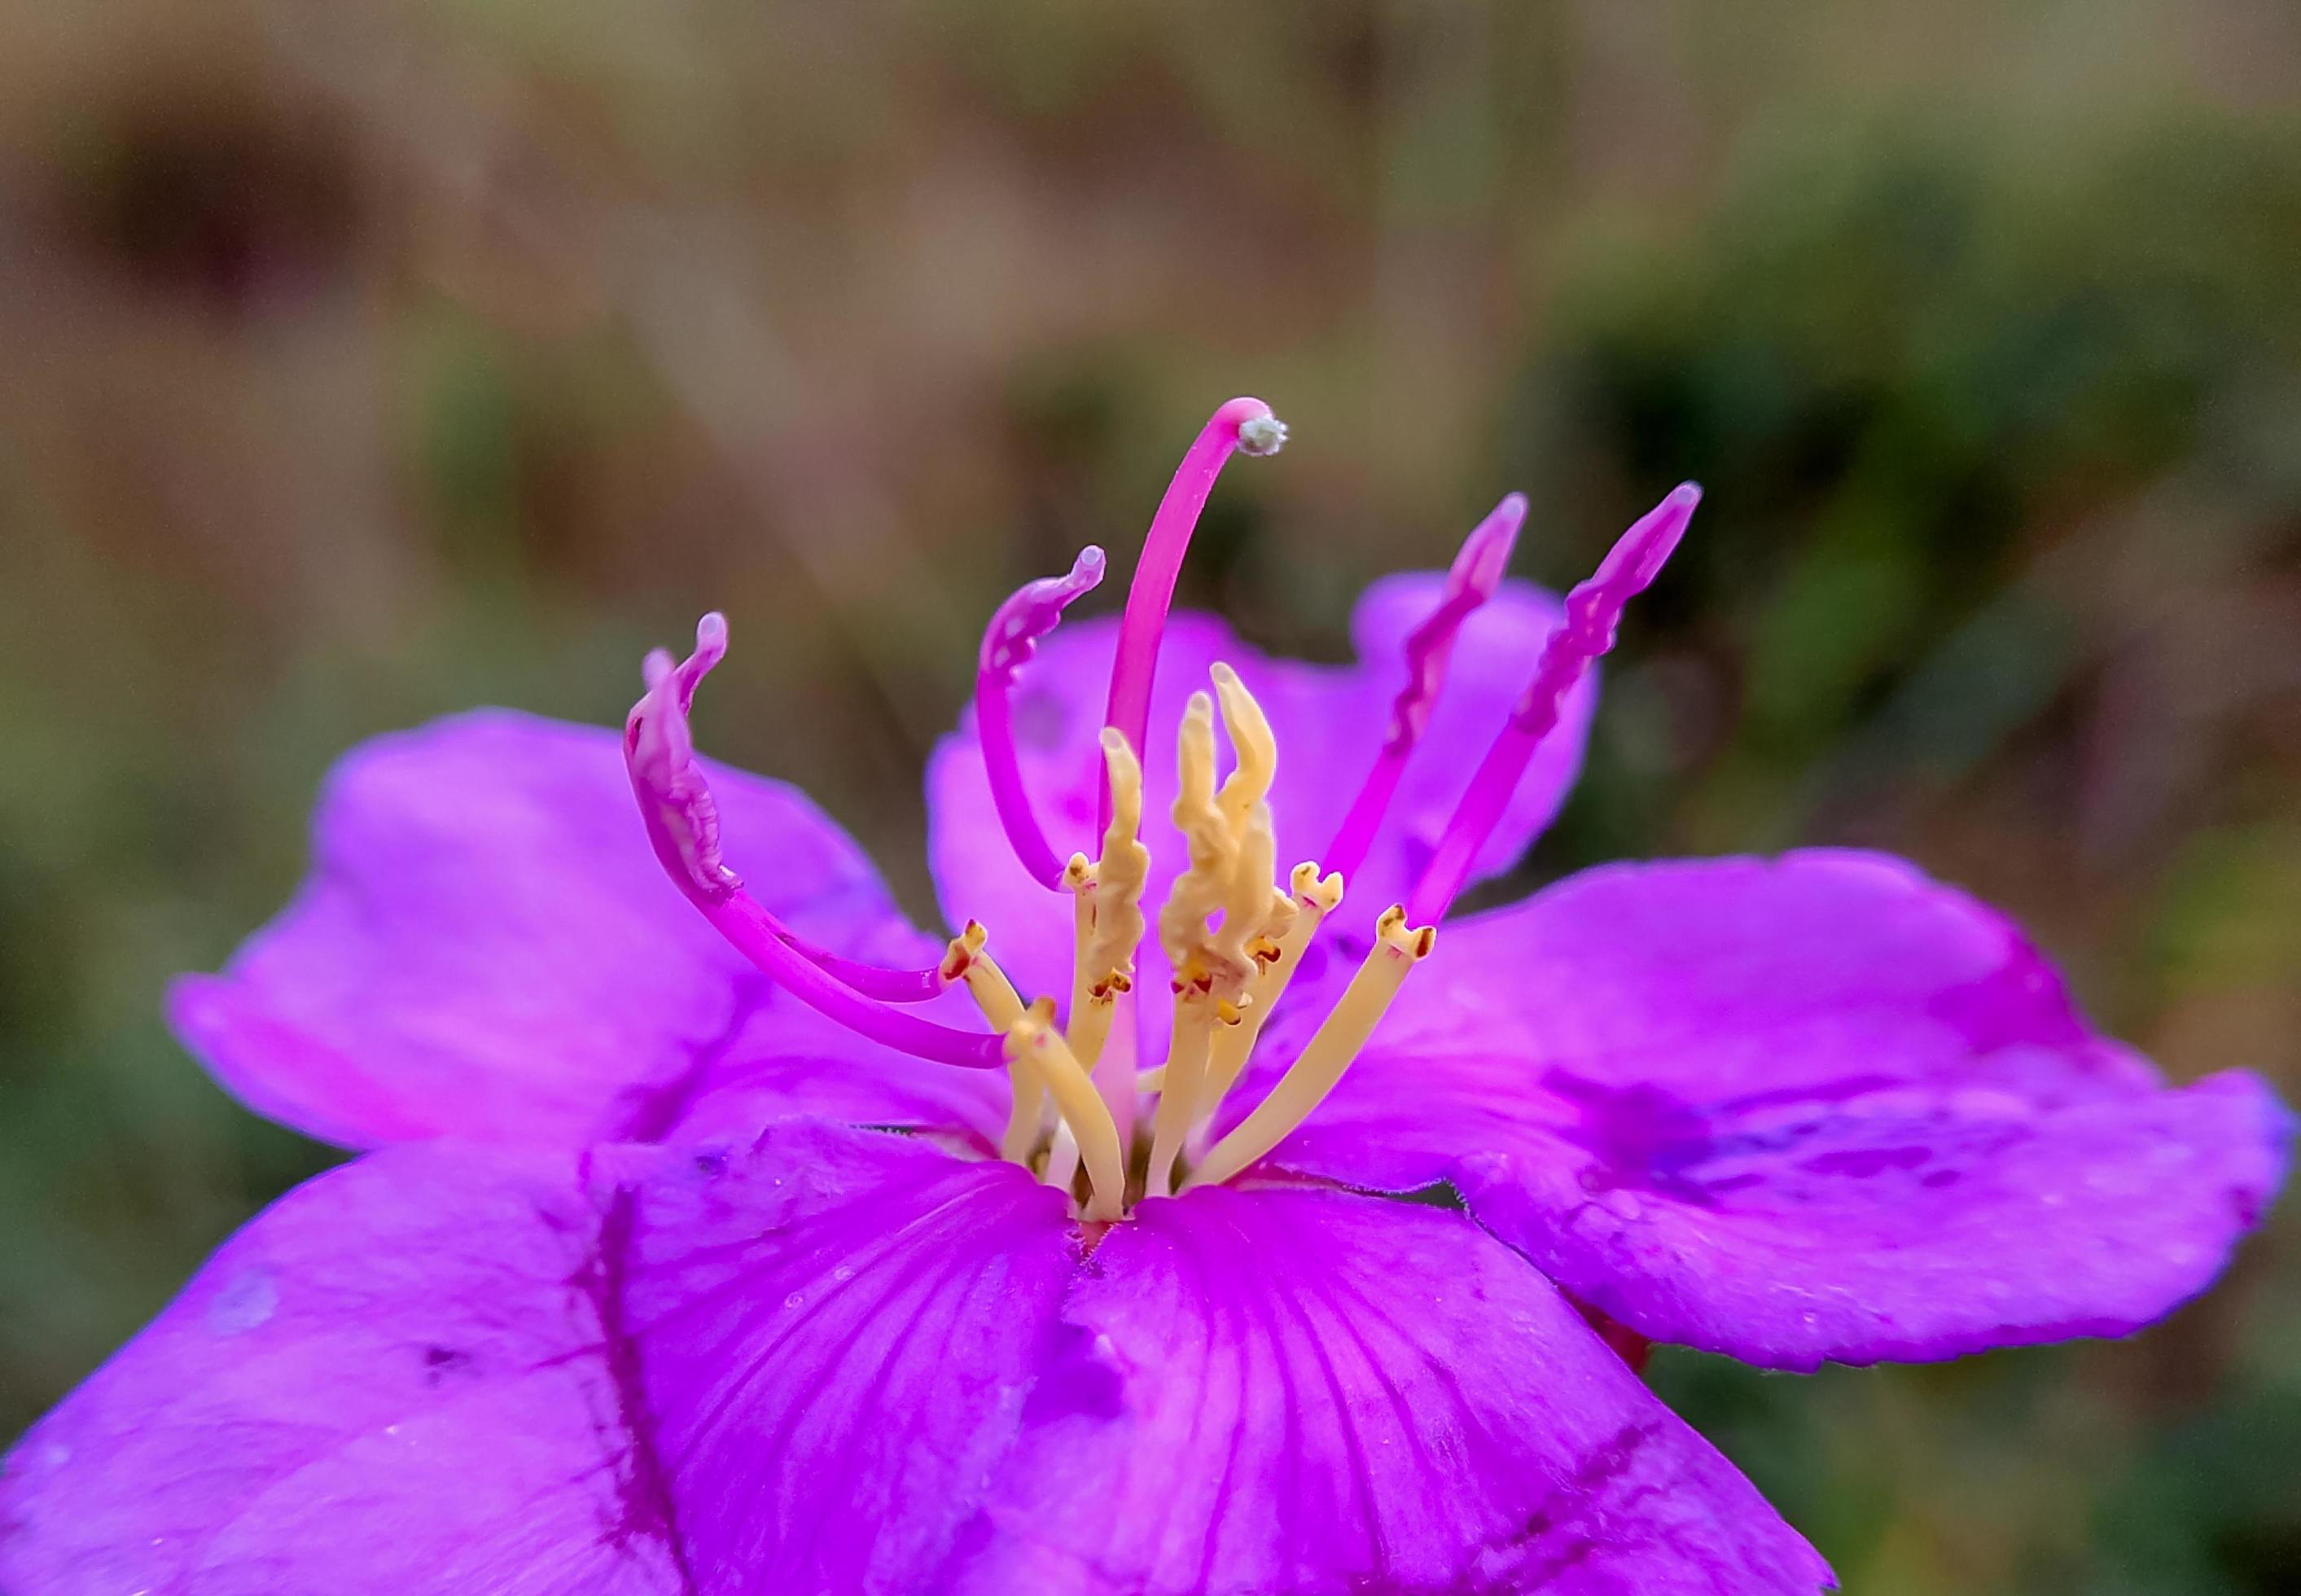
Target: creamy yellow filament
x,y
1032,1038
1312,899
1397,949
995,995
1107,923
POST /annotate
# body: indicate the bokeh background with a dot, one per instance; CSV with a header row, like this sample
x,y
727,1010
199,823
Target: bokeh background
x,y
363,363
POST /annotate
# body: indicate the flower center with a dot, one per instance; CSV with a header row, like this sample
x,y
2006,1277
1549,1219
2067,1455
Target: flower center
x,y
1233,940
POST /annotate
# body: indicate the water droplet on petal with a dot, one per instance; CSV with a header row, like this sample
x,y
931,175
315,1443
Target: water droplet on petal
x,y
245,1304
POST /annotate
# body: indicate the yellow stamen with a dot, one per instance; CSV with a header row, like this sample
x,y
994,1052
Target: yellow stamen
x,y
1095,979
996,997
1306,1084
1033,1037
1115,1078
1232,856
1063,1155
1312,900
1253,909
1095,989
1251,737
1109,920
1249,904
1186,1067
1198,891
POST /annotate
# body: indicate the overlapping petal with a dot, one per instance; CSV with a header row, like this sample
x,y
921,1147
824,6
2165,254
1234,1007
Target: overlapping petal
x,y
643,1371
1813,1108
1329,722
836,1335
846,1360
487,948
390,1381
1298,1390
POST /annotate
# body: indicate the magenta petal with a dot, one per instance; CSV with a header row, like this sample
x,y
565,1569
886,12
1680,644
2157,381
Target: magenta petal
x,y
1329,722
389,1383
520,1372
1813,1108
1315,1390
837,1340
843,1360
488,949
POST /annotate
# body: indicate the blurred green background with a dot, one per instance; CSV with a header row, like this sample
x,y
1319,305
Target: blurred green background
x,y
360,363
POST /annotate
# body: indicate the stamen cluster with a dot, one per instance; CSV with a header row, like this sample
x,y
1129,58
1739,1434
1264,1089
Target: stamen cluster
x,y
1232,939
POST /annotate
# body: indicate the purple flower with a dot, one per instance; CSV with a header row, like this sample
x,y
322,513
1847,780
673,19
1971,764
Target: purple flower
x,y
642,1294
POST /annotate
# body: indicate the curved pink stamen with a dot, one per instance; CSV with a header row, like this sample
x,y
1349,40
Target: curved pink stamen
x,y
682,820
873,981
1240,424
1477,571
756,935
1008,643
1592,611
682,824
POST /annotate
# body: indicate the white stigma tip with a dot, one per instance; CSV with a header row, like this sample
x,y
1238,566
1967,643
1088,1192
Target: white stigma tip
x,y
1261,435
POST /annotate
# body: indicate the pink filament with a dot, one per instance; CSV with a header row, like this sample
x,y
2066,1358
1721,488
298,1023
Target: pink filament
x,y
1592,611
1152,593
873,981
1477,571
682,824
755,935
1008,643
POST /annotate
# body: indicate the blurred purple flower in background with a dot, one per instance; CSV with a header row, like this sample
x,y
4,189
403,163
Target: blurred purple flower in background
x,y
748,1258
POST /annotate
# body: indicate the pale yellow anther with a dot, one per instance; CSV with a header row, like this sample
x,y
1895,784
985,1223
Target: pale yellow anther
x,y
1198,891
1250,904
1397,949
1253,909
1265,948
1112,886
1095,983
1311,901
965,960
1033,1039
1250,738
1233,854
